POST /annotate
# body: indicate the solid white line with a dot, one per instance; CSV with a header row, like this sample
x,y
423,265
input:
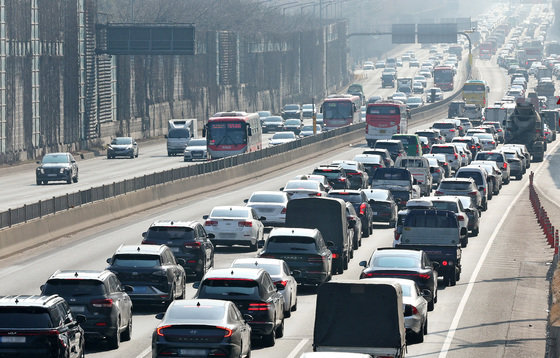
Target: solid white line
x,y
145,353
465,298
298,348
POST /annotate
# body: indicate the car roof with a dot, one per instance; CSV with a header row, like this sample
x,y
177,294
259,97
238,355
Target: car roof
x,y
397,252
140,249
256,261
453,198
349,191
28,300
457,180
174,223
80,275
392,141
284,231
235,273
270,192
236,207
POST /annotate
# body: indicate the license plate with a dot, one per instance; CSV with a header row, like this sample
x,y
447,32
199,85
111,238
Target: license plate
x,y
12,339
382,131
140,289
78,308
197,352
176,249
52,175
375,213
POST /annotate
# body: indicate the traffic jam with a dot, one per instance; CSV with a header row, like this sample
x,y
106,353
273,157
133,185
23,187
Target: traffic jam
x,y
430,188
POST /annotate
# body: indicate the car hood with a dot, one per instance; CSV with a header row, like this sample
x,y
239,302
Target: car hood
x,y
196,147
55,165
120,146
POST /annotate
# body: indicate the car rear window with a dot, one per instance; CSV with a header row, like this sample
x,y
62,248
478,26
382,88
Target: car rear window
x,y
24,317
442,205
328,173
454,185
399,261
429,220
131,260
495,157
412,163
444,150
391,147
302,184
290,244
381,174
230,213
226,287
350,197
196,312
272,269
471,174
164,233
266,198
443,126
69,288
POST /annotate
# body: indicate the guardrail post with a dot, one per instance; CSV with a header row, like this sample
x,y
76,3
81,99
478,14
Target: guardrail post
x,y
24,212
67,202
9,217
54,205
556,243
40,207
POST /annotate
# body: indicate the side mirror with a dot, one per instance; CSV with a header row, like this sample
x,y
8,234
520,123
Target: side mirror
x,y
38,162
246,201
281,189
204,132
463,231
196,285
247,317
128,288
144,234
181,261
160,315
329,244
414,181
80,318
435,265
427,294
504,122
260,244
280,286
363,263
165,136
108,260
262,218
210,235
249,131
205,217
42,288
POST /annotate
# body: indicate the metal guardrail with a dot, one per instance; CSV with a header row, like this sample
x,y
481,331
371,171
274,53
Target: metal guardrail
x,y
68,201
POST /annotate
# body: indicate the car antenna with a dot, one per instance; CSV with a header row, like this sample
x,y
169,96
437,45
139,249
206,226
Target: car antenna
x,y
256,263
232,272
76,274
138,249
198,304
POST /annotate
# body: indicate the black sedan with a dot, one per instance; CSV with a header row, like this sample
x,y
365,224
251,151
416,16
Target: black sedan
x,y
151,271
57,167
202,328
361,204
188,240
383,205
400,263
293,125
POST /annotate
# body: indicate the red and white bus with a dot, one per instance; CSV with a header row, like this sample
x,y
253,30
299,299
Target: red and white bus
x,y
340,110
385,118
444,77
232,133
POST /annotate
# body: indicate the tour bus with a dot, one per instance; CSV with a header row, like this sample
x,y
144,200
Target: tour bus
x,y
385,118
476,92
444,77
232,133
340,110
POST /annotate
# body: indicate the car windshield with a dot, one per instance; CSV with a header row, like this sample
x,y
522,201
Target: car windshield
x,y
291,107
55,158
293,122
132,260
267,198
443,126
165,233
197,142
212,287
389,174
231,213
302,184
74,287
272,269
121,141
471,174
273,120
328,173
290,244
443,205
307,106
24,317
395,261
350,197
283,136
389,146
510,155
455,185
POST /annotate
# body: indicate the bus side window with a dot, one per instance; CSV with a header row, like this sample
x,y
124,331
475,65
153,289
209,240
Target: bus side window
x,y
249,130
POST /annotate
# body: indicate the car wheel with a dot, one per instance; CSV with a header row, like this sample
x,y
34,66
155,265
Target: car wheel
x,y
45,182
254,247
484,205
457,275
365,232
75,179
464,241
351,255
345,262
39,182
426,325
507,181
127,334
475,231
340,267
115,339
69,181
431,304
270,340
419,337
280,329
294,307
453,279
519,177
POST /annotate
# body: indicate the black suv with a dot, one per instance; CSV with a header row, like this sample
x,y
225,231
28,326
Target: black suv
x,y
57,167
100,297
151,271
39,326
360,201
394,146
254,293
335,175
188,240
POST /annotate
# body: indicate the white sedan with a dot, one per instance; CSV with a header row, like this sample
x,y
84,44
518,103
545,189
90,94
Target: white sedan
x,y
304,189
234,225
270,204
280,273
282,137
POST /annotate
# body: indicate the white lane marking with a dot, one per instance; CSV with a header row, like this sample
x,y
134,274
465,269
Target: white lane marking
x,y
465,298
298,348
145,353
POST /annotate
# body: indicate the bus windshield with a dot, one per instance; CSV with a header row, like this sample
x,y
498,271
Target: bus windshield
x,y
336,110
227,133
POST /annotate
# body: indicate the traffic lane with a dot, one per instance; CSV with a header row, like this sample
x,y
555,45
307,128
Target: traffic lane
x,y
89,249
19,187
494,75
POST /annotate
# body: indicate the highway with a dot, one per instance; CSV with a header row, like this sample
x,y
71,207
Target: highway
x,y
497,309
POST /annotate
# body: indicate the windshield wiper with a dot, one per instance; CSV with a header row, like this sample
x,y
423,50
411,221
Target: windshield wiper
x,y
235,294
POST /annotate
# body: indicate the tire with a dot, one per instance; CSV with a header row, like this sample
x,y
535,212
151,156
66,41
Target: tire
x,y
475,231
340,267
294,307
464,242
519,177
75,179
431,304
39,182
69,181
419,337
366,232
270,340
485,206
507,181
426,326
255,246
280,330
457,275
115,339
127,333
453,279
345,262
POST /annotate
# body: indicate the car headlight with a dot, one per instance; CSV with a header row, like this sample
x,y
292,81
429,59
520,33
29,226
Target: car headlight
x,y
41,170
109,147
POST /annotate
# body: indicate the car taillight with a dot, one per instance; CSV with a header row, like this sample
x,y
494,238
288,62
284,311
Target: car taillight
x,y
102,303
473,193
444,263
341,179
193,244
283,211
160,329
363,209
462,155
366,274
317,194
460,217
284,283
437,170
423,276
210,223
452,130
228,332
245,224
492,142
456,156
499,130
335,256
259,306
505,165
